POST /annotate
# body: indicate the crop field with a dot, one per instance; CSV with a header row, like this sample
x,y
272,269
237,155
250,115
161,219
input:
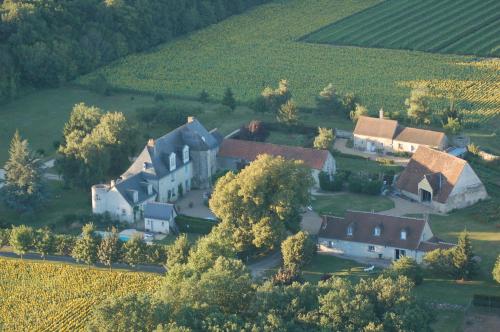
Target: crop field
x,y
446,26
41,296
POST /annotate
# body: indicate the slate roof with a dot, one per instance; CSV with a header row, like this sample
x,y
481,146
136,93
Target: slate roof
x,y
419,136
134,182
249,150
376,127
156,210
154,158
364,223
430,163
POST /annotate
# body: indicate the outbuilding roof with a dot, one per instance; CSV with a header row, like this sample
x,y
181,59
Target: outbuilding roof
x,y
157,210
364,223
376,127
249,150
419,136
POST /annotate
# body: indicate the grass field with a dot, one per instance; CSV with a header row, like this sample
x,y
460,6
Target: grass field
x,y
36,296
447,26
339,203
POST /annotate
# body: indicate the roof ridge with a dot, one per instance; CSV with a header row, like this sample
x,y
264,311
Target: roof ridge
x,y
386,215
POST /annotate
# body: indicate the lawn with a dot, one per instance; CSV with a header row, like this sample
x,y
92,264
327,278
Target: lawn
x,y
338,204
447,26
357,163
323,264
277,137
61,201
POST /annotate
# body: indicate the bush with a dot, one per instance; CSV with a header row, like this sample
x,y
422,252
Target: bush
x,y
364,185
337,184
408,267
286,277
440,261
255,131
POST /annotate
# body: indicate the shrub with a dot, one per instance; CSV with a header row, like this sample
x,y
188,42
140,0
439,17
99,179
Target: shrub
x,y
364,185
285,276
204,97
336,184
496,270
408,267
255,131
440,261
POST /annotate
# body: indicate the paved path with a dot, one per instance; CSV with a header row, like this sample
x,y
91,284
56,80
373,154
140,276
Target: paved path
x,y
198,209
340,145
311,222
258,269
66,259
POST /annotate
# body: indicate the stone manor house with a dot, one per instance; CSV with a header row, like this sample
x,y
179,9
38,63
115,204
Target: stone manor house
x,y
187,158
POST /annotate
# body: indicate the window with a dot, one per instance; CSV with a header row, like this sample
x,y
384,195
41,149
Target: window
x,y
403,234
162,224
97,198
349,231
185,154
172,161
376,231
371,248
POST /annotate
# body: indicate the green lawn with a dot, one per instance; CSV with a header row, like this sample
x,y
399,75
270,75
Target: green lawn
x,y
293,139
355,163
60,202
322,264
339,203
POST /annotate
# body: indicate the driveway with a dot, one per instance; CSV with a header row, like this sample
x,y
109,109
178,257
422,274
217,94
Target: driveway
x,y
340,145
404,207
311,222
197,209
258,269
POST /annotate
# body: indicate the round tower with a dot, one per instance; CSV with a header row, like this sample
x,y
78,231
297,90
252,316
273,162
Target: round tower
x,y
99,196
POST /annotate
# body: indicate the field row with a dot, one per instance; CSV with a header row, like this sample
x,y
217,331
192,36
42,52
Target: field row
x,y
39,296
448,26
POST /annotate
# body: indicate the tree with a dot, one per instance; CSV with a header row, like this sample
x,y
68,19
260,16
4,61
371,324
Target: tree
x,y
453,126
348,103
496,270
267,233
109,250
228,99
85,249
64,244
177,252
359,110
463,257
23,176
418,106
297,250
288,113
325,139
134,251
270,187
21,239
440,261
408,267
204,97
4,237
45,243
273,99
328,99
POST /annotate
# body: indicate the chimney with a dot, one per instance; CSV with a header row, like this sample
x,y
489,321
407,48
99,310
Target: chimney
x,y
191,119
113,183
151,142
381,113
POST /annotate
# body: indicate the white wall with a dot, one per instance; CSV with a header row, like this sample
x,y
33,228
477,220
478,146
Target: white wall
x,y
361,142
157,225
171,182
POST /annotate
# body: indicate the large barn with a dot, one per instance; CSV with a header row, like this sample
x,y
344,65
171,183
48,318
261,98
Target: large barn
x,y
441,180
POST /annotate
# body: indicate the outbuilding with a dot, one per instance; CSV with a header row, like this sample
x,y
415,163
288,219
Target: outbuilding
x,y
159,217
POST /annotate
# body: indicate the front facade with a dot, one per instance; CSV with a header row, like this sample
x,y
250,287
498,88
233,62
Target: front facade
x,y
235,154
440,180
377,236
379,135
165,169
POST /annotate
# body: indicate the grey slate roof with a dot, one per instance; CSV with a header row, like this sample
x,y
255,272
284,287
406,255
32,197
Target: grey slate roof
x,y
134,183
156,210
156,156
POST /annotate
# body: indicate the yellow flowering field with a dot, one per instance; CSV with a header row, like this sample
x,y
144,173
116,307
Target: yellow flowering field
x,y
44,296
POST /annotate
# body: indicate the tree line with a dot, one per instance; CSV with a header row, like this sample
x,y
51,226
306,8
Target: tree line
x,y
44,43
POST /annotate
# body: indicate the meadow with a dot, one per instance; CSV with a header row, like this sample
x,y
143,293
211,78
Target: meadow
x,y
448,26
42,296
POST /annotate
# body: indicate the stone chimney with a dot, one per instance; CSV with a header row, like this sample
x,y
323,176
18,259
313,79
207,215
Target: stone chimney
x,y
151,142
191,119
381,113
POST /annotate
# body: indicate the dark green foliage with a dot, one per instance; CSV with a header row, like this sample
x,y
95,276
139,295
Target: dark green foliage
x,y
21,239
327,184
408,267
134,251
4,237
161,114
45,242
297,250
45,43
86,246
156,254
286,276
189,224
100,85
109,251
64,244
440,261
364,185
463,258
228,99
177,252
255,131
204,97
24,187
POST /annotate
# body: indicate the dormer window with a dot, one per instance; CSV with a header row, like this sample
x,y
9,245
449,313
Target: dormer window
x,y
403,234
172,161
349,231
185,154
376,231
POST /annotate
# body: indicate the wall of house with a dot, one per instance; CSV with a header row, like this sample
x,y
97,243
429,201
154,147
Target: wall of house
x,y
171,182
400,146
357,249
204,166
467,191
361,143
157,225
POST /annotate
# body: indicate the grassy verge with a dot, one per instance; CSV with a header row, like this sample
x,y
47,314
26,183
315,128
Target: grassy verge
x,y
323,264
338,204
188,224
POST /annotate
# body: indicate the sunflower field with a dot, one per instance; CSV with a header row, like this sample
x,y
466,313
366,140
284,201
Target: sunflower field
x,y
43,296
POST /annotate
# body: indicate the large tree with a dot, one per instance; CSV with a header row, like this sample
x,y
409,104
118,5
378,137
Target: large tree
x,y
297,250
134,251
96,145
269,192
85,249
463,258
177,252
21,239
418,105
288,113
23,176
109,251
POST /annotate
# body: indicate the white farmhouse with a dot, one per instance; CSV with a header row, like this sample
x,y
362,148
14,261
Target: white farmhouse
x,y
379,236
235,154
159,217
166,168
384,135
440,180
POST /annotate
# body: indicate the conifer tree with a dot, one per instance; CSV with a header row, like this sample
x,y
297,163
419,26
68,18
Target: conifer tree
x,y
228,99
462,257
23,179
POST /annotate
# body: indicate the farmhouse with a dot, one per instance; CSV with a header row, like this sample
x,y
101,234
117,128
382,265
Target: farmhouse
x,y
375,235
441,180
235,154
183,159
384,135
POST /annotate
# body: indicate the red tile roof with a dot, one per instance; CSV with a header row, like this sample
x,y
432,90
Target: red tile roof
x,y
249,150
376,127
364,223
420,136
